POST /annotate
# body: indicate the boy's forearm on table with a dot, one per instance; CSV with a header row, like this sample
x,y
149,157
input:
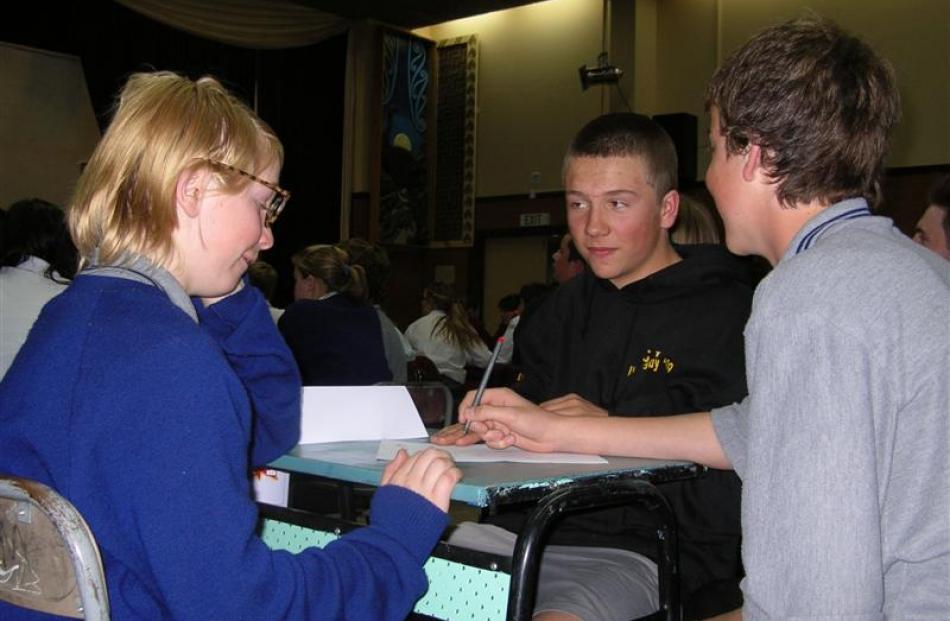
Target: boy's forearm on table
x,y
688,437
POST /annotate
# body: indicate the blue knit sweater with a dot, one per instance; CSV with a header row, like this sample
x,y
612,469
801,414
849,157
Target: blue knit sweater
x,y
148,422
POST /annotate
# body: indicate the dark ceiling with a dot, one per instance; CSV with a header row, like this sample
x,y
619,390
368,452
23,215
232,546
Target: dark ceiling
x,y
412,13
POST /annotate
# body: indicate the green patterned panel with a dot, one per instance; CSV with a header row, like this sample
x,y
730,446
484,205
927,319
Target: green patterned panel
x,y
456,591
293,538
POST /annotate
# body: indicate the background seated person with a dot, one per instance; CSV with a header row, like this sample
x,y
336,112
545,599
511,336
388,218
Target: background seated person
x,y
510,307
263,275
330,327
444,335
694,224
36,262
566,261
374,260
933,228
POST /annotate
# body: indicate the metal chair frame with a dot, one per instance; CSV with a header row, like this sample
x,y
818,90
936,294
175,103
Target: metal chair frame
x,y
27,509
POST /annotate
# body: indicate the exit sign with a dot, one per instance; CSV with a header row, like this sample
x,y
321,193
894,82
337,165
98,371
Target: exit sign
x,y
535,219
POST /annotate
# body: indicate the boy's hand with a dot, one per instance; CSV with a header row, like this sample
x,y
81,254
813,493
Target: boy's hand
x,y
455,435
573,405
430,473
505,419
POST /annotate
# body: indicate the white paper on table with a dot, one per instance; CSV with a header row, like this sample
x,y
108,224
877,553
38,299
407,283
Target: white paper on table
x,y
480,453
345,413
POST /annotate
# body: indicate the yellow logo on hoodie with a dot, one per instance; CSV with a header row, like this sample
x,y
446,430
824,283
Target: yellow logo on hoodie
x,y
653,361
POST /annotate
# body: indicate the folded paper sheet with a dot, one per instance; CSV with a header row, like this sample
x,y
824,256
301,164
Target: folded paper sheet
x,y
479,453
345,413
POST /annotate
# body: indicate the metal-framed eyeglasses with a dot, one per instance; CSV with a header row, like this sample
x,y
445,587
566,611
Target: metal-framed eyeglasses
x,y
275,205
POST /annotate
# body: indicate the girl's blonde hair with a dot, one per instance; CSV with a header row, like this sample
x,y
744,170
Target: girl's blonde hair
x,y
332,265
455,327
164,124
695,224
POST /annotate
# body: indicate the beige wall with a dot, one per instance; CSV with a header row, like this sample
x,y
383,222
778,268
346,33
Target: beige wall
x,y
47,124
510,263
914,35
530,102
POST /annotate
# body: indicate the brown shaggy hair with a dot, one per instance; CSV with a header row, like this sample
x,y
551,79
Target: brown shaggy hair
x,y
818,101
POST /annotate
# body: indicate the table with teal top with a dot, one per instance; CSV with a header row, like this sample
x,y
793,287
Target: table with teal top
x,y
484,485
556,489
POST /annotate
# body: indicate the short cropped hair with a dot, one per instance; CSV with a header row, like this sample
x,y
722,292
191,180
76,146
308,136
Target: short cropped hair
x,y
163,125
940,197
940,192
509,303
819,102
627,134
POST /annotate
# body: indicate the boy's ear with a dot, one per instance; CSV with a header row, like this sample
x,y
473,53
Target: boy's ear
x,y
753,162
188,190
669,208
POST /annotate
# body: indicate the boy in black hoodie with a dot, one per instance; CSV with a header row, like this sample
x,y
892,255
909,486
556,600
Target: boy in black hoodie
x,y
650,329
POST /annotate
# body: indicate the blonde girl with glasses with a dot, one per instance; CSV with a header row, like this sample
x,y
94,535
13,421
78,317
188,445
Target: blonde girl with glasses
x,y
151,387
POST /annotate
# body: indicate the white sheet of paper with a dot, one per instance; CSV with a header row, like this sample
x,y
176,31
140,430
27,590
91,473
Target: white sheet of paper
x,y
345,413
480,453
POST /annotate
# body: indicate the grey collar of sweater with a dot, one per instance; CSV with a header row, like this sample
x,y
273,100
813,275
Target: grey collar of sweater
x,y
140,269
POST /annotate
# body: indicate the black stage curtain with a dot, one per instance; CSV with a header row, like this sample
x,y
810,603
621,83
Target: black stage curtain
x,y
301,96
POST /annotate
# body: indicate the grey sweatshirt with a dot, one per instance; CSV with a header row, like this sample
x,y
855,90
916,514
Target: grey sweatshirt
x,y
843,444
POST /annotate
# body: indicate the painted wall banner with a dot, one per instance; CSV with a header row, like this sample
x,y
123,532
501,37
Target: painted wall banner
x,y
404,174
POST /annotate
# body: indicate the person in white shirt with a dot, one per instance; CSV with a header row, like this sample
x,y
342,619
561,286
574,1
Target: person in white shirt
x,y
510,307
445,336
38,259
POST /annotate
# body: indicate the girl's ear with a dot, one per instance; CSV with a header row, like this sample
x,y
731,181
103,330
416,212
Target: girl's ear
x,y
188,190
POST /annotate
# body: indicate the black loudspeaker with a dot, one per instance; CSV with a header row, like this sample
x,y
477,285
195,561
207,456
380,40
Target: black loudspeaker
x,y
682,128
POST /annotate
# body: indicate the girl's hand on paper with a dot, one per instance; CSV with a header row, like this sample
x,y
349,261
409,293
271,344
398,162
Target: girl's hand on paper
x,y
430,473
573,405
506,419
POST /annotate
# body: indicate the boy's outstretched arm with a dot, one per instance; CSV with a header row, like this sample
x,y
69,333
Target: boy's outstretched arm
x,y
505,419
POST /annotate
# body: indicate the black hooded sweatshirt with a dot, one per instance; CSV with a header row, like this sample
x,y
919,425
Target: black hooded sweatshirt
x,y
670,343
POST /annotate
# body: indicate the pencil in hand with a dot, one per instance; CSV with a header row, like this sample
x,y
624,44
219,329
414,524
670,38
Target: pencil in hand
x,y
484,382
